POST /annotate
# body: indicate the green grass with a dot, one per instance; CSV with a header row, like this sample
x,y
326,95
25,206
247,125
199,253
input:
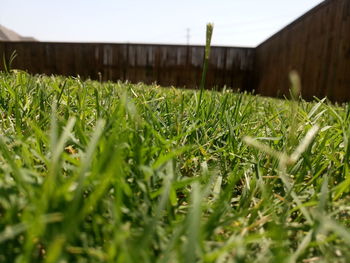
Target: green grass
x,y
115,172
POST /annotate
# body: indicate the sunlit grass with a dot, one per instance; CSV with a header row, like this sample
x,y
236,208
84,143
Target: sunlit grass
x,y
115,172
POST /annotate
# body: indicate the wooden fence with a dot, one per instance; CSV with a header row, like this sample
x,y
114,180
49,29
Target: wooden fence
x,y
317,45
168,65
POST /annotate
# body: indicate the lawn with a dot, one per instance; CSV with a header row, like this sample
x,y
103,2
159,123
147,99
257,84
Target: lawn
x,y
115,172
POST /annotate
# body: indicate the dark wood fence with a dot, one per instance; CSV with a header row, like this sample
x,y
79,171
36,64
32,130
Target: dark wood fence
x,y
317,45
167,65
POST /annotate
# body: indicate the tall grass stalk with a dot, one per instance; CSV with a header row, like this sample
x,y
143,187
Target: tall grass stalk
x,y
209,34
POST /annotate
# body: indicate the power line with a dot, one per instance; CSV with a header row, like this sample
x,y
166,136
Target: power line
x,y
240,25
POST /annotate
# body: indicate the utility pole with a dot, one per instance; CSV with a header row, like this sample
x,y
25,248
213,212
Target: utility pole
x,y
188,36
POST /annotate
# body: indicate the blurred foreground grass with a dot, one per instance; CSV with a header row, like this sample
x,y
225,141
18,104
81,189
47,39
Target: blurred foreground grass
x,y
115,172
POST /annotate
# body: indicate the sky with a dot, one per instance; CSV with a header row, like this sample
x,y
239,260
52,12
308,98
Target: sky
x,y
236,22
